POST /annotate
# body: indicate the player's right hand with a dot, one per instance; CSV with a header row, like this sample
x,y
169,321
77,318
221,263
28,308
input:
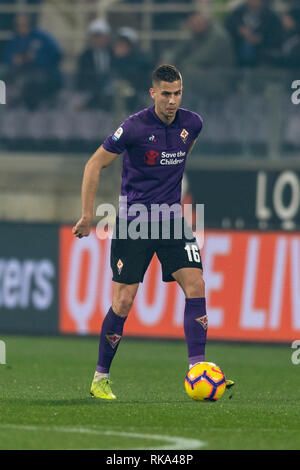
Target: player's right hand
x,y
82,228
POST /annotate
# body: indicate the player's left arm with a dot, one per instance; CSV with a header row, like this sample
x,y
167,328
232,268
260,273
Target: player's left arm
x,y
198,124
191,147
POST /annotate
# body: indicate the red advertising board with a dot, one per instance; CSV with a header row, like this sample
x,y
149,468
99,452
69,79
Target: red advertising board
x,y
252,288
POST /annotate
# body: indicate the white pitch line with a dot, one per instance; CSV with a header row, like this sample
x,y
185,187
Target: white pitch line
x,y
176,443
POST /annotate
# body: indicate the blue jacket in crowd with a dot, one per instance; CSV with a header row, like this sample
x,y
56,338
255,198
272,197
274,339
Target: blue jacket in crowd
x,y
42,46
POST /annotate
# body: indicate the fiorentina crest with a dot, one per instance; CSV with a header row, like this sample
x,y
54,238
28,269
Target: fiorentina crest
x,y
203,321
184,135
113,339
119,266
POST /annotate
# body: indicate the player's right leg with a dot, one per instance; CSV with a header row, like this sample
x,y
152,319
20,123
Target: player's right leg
x,y
129,261
110,336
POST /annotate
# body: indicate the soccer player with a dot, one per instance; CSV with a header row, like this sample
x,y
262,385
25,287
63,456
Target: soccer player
x,y
156,142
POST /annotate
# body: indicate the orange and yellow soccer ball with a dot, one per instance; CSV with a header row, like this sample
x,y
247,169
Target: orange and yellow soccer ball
x,y
205,381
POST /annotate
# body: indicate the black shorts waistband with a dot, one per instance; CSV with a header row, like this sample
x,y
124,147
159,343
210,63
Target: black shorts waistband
x,y
173,228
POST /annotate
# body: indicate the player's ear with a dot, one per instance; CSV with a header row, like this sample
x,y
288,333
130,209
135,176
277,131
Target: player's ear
x,y
152,93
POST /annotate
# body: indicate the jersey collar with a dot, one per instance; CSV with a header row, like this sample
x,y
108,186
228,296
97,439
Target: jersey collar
x,y
175,123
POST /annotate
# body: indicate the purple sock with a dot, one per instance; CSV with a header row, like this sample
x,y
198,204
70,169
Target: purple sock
x,y
195,328
110,336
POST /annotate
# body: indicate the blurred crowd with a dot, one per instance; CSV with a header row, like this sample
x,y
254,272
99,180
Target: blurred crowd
x,y
251,35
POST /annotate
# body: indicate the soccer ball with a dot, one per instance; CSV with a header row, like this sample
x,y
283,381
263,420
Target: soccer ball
x,y
205,381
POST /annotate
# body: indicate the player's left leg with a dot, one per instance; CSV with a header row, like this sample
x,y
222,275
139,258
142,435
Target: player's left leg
x,y
195,317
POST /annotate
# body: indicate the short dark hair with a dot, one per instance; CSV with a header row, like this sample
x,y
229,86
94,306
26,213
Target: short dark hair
x,y
166,73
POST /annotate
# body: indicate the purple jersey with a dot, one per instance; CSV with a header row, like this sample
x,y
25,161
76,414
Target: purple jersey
x,y
154,156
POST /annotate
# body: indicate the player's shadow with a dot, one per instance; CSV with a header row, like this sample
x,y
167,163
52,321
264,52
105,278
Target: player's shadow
x,y
85,401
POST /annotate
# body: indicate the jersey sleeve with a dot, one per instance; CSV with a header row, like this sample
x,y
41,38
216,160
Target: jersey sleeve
x,y
197,125
120,139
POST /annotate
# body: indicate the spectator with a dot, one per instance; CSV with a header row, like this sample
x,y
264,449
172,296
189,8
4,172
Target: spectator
x,y
95,66
7,21
289,56
256,32
209,45
131,67
32,58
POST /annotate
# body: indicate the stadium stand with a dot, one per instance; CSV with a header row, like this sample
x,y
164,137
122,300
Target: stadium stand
x,y
78,116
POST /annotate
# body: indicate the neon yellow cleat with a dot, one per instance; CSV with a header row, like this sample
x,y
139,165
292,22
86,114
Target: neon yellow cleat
x,y
101,389
229,384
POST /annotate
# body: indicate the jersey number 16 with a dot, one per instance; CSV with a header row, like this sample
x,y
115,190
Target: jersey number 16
x,y
193,253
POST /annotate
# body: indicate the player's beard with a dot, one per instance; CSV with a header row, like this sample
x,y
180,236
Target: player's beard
x,y
169,114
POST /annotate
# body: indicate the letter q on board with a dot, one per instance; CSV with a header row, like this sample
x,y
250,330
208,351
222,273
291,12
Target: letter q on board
x,y
296,354
2,352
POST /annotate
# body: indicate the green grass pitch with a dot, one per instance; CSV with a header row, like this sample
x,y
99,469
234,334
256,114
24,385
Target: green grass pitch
x,y
45,402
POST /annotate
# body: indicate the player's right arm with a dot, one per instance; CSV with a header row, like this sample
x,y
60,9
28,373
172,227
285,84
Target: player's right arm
x,y
99,160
